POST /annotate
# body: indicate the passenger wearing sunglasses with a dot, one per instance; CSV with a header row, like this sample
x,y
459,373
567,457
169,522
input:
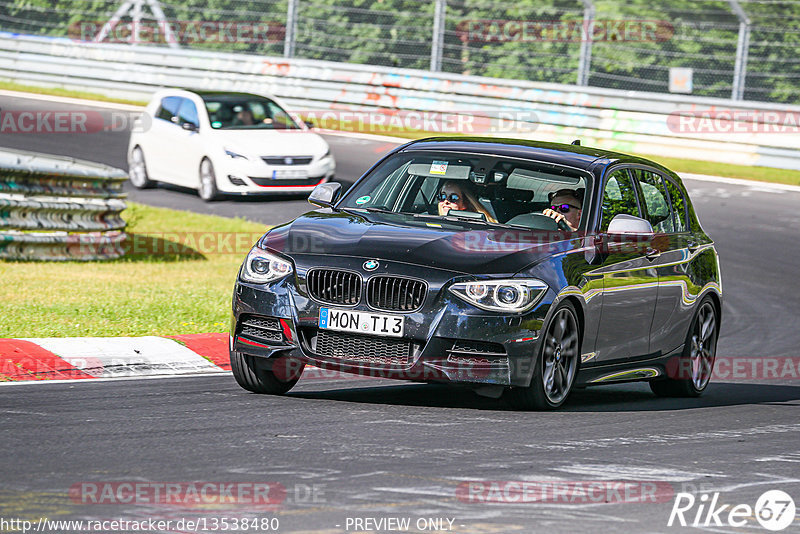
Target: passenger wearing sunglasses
x,y
452,196
565,205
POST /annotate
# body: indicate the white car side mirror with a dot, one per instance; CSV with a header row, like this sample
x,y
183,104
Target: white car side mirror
x,y
629,224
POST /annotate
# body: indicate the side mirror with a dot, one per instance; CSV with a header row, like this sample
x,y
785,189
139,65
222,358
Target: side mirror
x,y
309,124
629,224
325,195
189,126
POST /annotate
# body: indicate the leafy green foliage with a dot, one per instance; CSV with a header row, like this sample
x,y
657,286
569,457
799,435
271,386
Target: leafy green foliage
x,y
525,39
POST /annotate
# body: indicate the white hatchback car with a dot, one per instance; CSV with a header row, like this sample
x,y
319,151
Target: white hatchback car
x,y
226,143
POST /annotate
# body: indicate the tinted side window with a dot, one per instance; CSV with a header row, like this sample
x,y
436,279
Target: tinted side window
x,y
656,201
678,206
425,199
619,196
169,108
188,112
280,118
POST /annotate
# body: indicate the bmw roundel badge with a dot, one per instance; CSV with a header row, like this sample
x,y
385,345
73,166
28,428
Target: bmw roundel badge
x,y
371,265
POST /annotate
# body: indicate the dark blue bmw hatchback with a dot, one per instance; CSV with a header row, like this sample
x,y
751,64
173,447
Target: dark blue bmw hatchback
x,y
520,268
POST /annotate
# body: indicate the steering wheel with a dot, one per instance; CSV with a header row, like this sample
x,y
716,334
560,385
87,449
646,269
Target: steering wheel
x,y
430,206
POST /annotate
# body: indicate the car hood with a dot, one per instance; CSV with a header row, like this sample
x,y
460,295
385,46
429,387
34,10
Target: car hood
x,y
272,142
453,246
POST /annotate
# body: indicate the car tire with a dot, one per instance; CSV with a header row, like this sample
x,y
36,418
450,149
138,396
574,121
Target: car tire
x,y
251,373
137,170
697,358
556,365
208,181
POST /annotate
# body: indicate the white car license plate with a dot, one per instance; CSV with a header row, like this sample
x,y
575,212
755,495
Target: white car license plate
x,y
289,173
361,322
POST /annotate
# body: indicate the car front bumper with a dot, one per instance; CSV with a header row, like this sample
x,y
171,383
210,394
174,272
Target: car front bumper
x,y
447,340
244,177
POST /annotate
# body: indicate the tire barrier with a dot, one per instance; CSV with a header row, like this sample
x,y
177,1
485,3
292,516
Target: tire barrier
x,y
85,215
55,208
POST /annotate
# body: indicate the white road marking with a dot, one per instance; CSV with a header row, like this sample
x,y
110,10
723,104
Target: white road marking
x,y
791,457
622,441
72,382
628,472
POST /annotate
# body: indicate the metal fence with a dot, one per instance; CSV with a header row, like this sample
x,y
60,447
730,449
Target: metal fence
x,y
746,133
739,49
56,208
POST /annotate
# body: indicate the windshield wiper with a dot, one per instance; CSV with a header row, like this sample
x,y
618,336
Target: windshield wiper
x,y
379,209
466,219
360,211
453,217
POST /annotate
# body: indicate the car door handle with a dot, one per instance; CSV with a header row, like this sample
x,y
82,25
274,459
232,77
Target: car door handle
x,y
652,253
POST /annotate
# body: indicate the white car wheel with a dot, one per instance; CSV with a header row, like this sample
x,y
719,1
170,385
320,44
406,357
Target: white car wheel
x,y
208,181
137,170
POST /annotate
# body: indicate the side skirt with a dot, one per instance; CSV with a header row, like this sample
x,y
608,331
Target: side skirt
x,y
627,371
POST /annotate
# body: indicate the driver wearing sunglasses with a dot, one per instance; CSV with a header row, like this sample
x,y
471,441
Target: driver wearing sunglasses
x,y
452,196
565,205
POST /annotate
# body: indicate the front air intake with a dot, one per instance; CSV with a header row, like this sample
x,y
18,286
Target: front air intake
x,y
392,293
334,287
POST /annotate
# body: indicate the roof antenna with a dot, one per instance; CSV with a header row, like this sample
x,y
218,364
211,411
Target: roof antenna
x,y
576,142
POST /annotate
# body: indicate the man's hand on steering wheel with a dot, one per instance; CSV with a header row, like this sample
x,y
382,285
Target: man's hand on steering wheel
x,y
562,222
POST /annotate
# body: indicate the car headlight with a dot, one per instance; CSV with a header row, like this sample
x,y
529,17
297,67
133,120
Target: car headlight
x,y
262,267
513,295
234,155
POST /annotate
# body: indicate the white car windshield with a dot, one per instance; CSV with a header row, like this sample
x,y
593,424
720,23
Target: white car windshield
x,y
245,112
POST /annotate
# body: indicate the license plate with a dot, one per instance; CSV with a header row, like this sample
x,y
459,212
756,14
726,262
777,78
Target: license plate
x,y
361,322
289,173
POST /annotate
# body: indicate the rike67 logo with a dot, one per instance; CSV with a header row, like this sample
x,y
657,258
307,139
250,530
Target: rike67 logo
x,y
774,510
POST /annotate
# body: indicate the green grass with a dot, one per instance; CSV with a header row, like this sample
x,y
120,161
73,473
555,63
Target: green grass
x,y
761,174
185,291
57,91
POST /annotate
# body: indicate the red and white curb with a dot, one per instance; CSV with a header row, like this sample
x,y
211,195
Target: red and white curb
x,y
58,359
71,358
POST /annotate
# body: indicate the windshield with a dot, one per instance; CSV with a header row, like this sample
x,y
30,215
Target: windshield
x,y
480,188
246,112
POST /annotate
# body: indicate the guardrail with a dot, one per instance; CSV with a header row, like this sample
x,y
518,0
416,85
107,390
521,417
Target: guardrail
x,y
56,208
644,123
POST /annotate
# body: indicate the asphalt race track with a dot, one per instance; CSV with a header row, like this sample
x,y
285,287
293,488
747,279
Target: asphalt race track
x,y
368,448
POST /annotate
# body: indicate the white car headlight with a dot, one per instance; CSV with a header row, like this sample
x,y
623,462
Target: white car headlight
x,y
512,295
234,155
261,267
